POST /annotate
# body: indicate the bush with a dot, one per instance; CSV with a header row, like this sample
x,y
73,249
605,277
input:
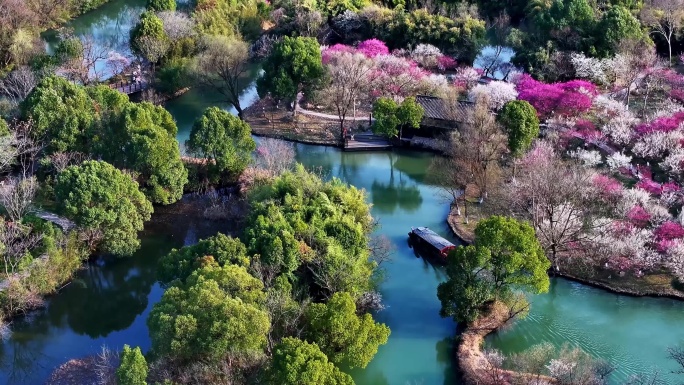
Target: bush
x,y
173,76
161,5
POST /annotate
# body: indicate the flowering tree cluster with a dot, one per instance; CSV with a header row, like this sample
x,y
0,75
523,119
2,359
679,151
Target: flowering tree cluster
x,y
497,93
387,75
565,99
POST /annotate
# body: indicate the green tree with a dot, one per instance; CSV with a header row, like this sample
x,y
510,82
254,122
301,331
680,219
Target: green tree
x,y
385,114
517,259
519,119
342,334
294,66
465,291
161,5
232,279
223,139
142,138
200,321
133,367
148,38
61,112
410,114
616,25
313,232
101,198
297,362
180,263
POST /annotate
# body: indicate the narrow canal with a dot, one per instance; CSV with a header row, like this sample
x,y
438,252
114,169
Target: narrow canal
x,y
108,302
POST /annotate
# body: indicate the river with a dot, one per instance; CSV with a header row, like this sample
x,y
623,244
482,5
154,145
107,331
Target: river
x,y
108,302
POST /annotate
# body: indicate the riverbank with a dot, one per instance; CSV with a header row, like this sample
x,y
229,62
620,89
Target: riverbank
x,y
268,120
656,284
472,362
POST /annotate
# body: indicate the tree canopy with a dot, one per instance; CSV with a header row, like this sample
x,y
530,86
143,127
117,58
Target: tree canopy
x,y
299,221
103,199
294,66
521,123
506,255
223,139
390,117
180,263
142,137
201,320
297,362
133,367
161,5
342,335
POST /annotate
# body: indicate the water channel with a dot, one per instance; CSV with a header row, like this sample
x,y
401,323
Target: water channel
x,y
108,302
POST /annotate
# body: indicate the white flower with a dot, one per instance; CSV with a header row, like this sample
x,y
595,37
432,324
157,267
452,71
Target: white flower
x,y
497,92
588,158
617,160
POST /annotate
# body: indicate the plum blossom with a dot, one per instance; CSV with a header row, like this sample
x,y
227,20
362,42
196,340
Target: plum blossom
x,y
588,158
560,369
655,144
638,216
466,77
590,68
675,259
618,160
674,161
632,197
426,55
669,230
570,98
498,93
372,48
606,186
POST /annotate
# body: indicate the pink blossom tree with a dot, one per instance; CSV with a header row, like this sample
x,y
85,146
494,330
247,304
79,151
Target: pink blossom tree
x,y
372,48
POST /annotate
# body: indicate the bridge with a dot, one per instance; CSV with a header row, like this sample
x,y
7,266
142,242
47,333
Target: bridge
x,y
129,88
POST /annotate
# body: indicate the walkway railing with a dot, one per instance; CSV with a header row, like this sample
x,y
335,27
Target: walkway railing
x,y
129,87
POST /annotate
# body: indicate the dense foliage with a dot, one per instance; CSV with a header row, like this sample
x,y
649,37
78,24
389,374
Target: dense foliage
x,y
103,199
133,367
313,232
294,66
298,362
223,139
520,121
506,255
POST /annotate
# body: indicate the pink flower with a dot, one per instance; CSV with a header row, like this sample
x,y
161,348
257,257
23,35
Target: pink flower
x,y
662,124
445,63
373,47
622,228
654,188
663,245
638,216
608,187
569,98
669,231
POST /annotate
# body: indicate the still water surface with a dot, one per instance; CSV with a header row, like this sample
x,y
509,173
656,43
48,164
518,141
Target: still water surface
x,y
109,301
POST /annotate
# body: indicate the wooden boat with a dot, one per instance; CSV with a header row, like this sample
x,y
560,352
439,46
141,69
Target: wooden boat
x,y
431,241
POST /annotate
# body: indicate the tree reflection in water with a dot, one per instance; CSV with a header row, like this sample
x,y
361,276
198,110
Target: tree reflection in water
x,y
387,197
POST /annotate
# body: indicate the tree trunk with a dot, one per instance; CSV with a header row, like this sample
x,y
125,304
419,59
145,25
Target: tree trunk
x,y
239,110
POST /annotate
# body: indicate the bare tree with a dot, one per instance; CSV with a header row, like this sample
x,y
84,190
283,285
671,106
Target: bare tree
x,y
274,156
554,196
223,66
500,28
27,143
676,353
62,160
16,196
381,249
492,367
486,143
18,84
105,364
152,48
83,68
349,79
633,58
17,241
665,18
177,25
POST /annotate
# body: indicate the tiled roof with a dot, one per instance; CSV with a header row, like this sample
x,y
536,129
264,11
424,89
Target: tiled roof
x,y
437,108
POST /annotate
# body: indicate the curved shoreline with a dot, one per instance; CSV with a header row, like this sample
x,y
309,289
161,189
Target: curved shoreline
x,y
470,356
654,292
